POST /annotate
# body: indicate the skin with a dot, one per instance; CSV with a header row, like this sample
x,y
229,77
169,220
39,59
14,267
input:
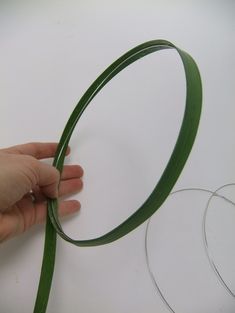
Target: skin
x,y
22,171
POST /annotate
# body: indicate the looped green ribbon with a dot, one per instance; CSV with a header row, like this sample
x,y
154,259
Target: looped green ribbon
x,y
166,182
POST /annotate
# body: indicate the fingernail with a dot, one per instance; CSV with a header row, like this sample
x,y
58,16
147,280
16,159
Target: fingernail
x,y
77,206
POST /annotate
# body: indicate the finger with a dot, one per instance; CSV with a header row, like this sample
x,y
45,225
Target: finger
x,y
48,179
67,187
48,184
69,207
70,186
65,208
25,215
71,171
43,175
39,150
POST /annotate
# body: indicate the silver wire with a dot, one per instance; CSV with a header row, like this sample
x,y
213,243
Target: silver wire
x,y
205,241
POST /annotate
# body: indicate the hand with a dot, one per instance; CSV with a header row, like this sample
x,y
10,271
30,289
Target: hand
x,y
22,172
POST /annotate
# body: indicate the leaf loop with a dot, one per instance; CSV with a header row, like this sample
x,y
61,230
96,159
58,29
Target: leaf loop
x,y
166,182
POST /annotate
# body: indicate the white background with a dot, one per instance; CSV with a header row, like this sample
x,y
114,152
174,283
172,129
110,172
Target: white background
x,y
50,53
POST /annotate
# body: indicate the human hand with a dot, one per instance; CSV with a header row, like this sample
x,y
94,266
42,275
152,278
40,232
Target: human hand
x,y
22,172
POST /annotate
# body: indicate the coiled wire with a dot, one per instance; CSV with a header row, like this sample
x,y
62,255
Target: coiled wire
x,y
205,242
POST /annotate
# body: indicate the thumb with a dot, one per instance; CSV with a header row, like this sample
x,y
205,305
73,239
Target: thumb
x,y
48,179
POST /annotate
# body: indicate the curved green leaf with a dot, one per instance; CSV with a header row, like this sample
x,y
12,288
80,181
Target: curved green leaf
x,y
166,182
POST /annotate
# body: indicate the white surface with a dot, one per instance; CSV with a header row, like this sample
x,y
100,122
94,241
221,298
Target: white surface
x,y
50,53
